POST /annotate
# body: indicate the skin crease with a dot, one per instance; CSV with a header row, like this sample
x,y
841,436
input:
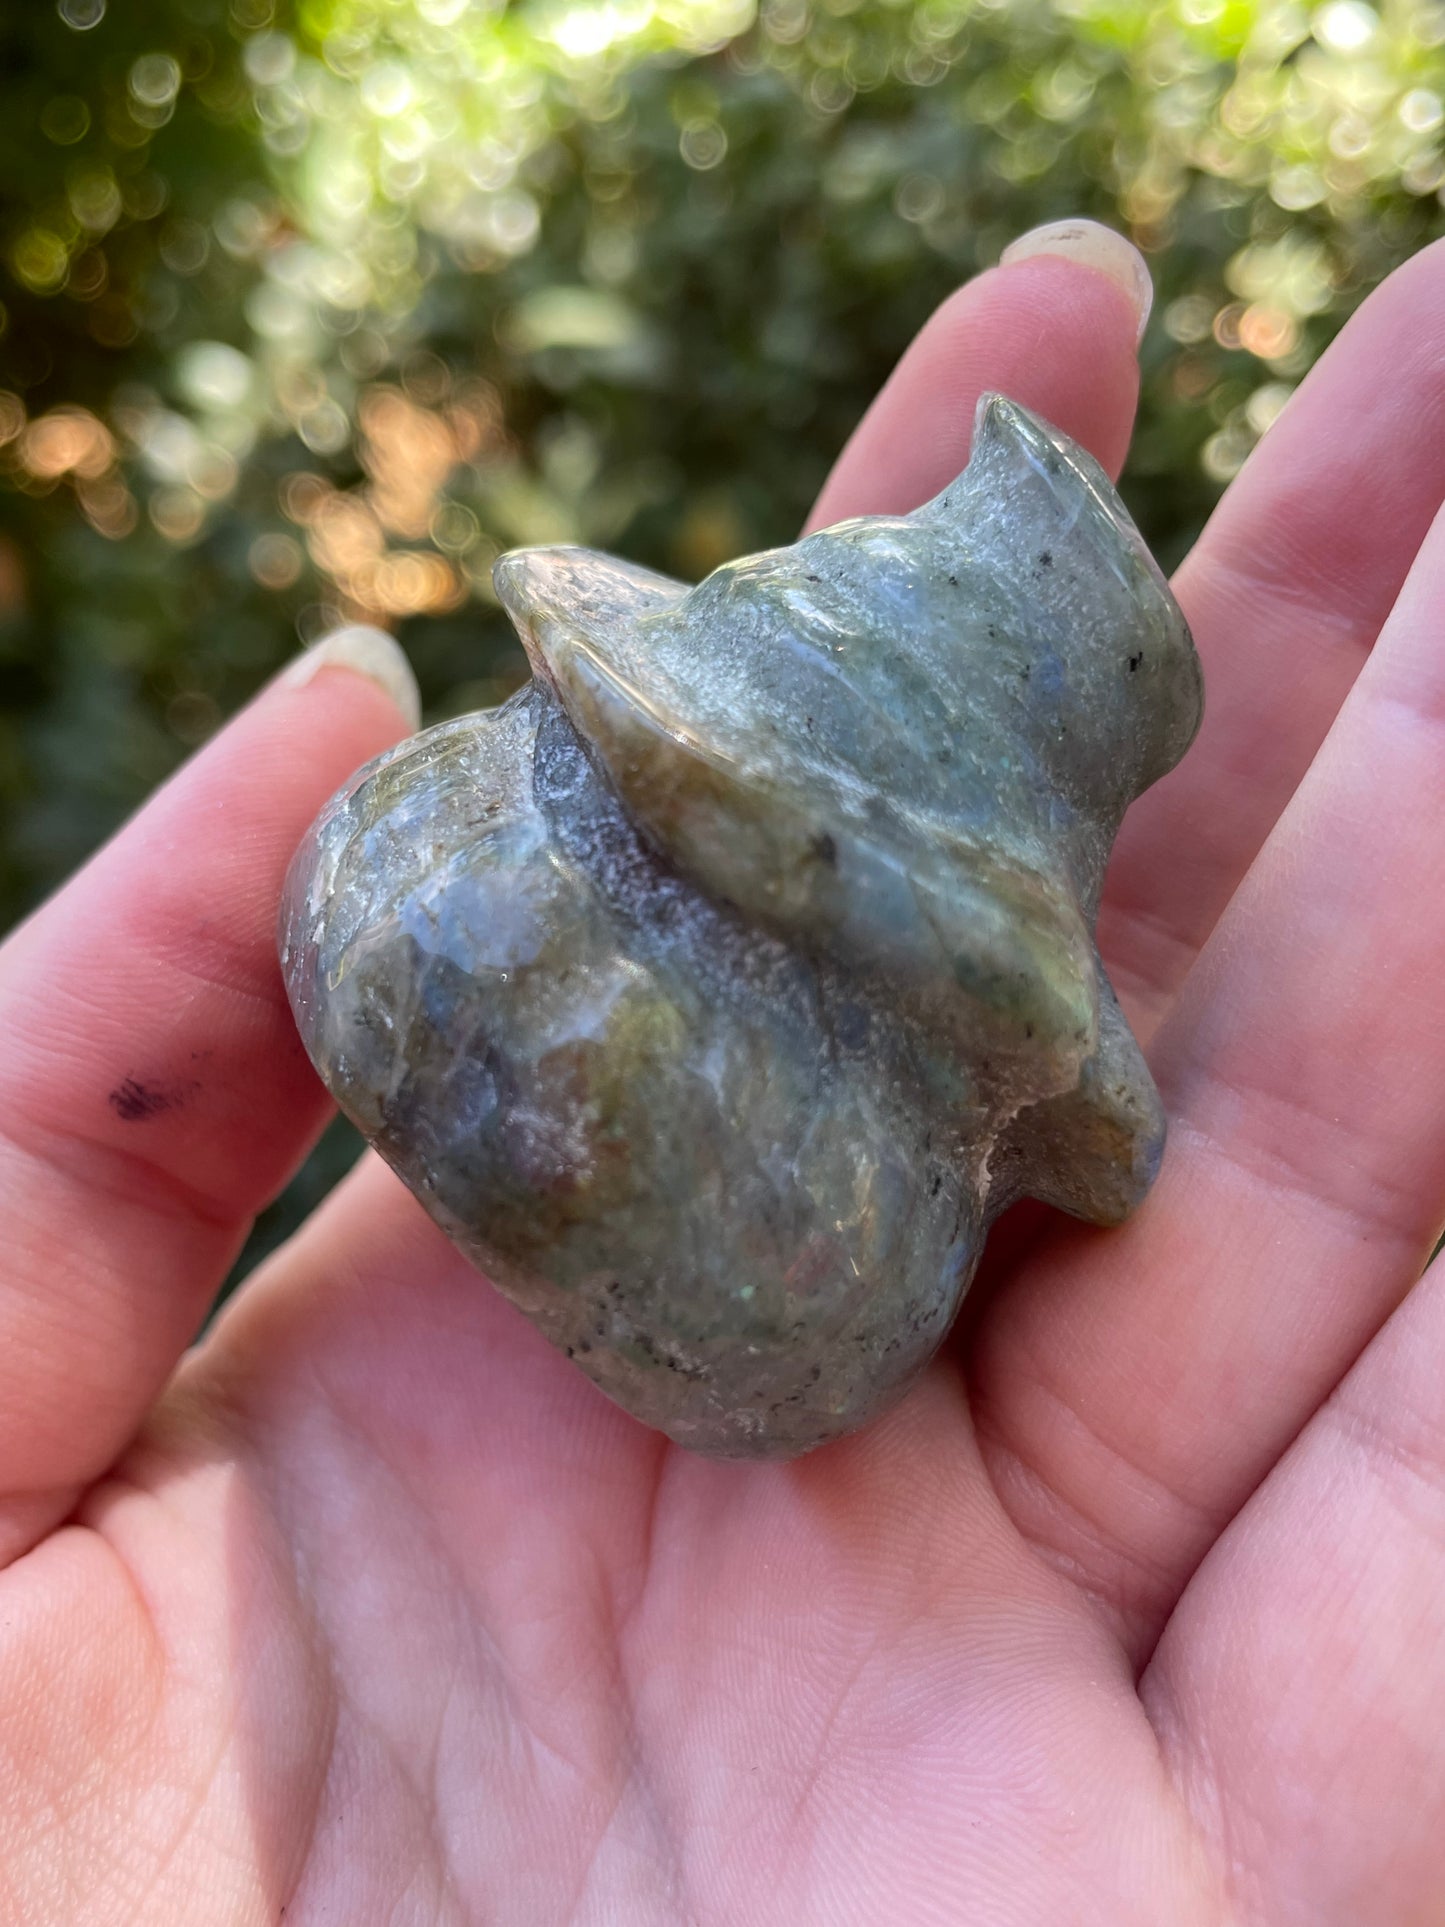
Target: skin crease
x,y
372,1611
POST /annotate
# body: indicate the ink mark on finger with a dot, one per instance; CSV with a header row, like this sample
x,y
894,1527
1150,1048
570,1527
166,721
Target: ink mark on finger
x,y
135,1102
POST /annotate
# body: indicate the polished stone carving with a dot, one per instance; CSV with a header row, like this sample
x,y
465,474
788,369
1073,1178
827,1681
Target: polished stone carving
x,y
717,991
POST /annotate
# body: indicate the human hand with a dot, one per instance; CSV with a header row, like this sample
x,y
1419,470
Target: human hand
x,y
371,1609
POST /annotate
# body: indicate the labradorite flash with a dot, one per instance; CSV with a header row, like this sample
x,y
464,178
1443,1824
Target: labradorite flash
x,y
718,991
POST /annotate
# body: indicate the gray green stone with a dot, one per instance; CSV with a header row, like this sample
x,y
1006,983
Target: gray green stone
x,y
718,991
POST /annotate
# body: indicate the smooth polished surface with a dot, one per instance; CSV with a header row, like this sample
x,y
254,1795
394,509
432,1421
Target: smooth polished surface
x,y
717,991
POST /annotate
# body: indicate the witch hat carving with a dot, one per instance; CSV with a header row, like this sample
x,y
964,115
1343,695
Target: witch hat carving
x,y
873,777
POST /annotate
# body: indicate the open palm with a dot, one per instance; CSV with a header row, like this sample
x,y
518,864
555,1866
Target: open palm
x,y
373,1610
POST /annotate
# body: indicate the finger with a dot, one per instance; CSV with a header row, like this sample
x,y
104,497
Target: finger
x,y
1285,592
1054,326
1299,1686
153,1092
1137,1387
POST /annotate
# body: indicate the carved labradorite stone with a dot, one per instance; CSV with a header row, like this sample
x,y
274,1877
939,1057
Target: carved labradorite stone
x,y
717,991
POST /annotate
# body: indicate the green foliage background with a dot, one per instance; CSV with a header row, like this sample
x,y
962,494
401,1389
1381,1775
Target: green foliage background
x,y
310,309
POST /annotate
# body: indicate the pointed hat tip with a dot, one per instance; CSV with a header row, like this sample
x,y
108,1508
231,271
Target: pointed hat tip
x,y
1005,435
1000,422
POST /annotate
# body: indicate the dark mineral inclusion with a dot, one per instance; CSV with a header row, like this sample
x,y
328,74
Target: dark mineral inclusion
x,y
718,991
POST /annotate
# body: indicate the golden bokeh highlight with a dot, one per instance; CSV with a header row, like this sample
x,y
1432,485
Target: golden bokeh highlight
x,y
416,440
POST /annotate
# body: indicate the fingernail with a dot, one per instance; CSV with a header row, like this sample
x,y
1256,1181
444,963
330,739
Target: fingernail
x,y
369,652
1095,246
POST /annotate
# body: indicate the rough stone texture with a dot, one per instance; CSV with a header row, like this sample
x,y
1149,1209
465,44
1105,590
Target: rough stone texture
x,y
717,991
